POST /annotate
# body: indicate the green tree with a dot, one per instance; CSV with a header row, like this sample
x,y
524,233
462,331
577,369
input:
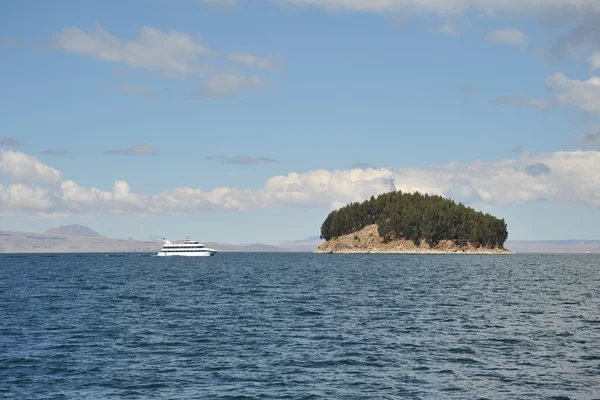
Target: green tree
x,y
417,217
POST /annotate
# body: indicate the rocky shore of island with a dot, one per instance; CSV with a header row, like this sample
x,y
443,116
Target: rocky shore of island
x,y
368,241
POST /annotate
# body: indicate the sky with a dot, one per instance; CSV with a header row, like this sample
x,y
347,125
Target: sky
x,y
247,121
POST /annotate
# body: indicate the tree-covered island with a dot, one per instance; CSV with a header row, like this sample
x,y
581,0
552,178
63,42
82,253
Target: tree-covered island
x,y
397,222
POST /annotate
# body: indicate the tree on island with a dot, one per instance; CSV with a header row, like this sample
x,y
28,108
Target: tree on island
x,y
417,217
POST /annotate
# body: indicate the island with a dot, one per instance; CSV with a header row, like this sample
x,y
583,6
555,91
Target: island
x,y
412,223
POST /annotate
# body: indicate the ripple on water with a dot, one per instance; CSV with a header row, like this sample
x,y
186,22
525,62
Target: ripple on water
x,y
291,326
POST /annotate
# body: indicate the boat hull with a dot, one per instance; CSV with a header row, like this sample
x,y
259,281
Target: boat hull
x,y
186,254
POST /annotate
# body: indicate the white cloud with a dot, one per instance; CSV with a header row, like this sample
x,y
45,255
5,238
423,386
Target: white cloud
x,y
449,7
595,60
576,22
581,94
579,18
567,177
22,167
509,36
185,200
23,197
322,187
228,82
254,61
381,6
120,199
153,49
173,53
188,200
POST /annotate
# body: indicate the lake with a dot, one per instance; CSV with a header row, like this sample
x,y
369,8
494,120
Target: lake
x,y
300,326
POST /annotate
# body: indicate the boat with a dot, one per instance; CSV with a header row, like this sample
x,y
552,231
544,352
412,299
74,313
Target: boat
x,y
185,248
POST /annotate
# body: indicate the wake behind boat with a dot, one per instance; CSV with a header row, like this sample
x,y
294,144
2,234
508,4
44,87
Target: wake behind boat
x,y
185,248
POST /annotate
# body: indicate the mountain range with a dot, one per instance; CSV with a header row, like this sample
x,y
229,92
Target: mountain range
x,y
81,239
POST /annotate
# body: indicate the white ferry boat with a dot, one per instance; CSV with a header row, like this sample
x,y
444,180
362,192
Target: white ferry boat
x,y
185,248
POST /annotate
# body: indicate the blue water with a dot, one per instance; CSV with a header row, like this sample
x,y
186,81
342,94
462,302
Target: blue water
x,y
300,326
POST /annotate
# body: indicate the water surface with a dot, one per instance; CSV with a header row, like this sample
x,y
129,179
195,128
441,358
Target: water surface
x,y
300,326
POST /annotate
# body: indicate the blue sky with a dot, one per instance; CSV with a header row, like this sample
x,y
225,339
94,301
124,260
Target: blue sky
x,y
248,121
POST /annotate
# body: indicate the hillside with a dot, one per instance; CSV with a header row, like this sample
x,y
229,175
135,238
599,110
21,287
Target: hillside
x,y
368,241
28,242
429,222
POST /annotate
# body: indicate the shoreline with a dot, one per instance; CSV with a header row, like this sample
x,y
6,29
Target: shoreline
x,y
422,251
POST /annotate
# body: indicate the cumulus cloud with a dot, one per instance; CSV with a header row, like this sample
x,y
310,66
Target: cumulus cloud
x,y
188,200
538,169
241,159
184,200
584,95
8,141
567,177
509,36
119,200
138,149
25,198
22,167
462,190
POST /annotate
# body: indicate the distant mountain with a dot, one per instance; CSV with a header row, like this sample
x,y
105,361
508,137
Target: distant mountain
x,y
53,242
245,248
73,230
310,239
81,239
309,244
